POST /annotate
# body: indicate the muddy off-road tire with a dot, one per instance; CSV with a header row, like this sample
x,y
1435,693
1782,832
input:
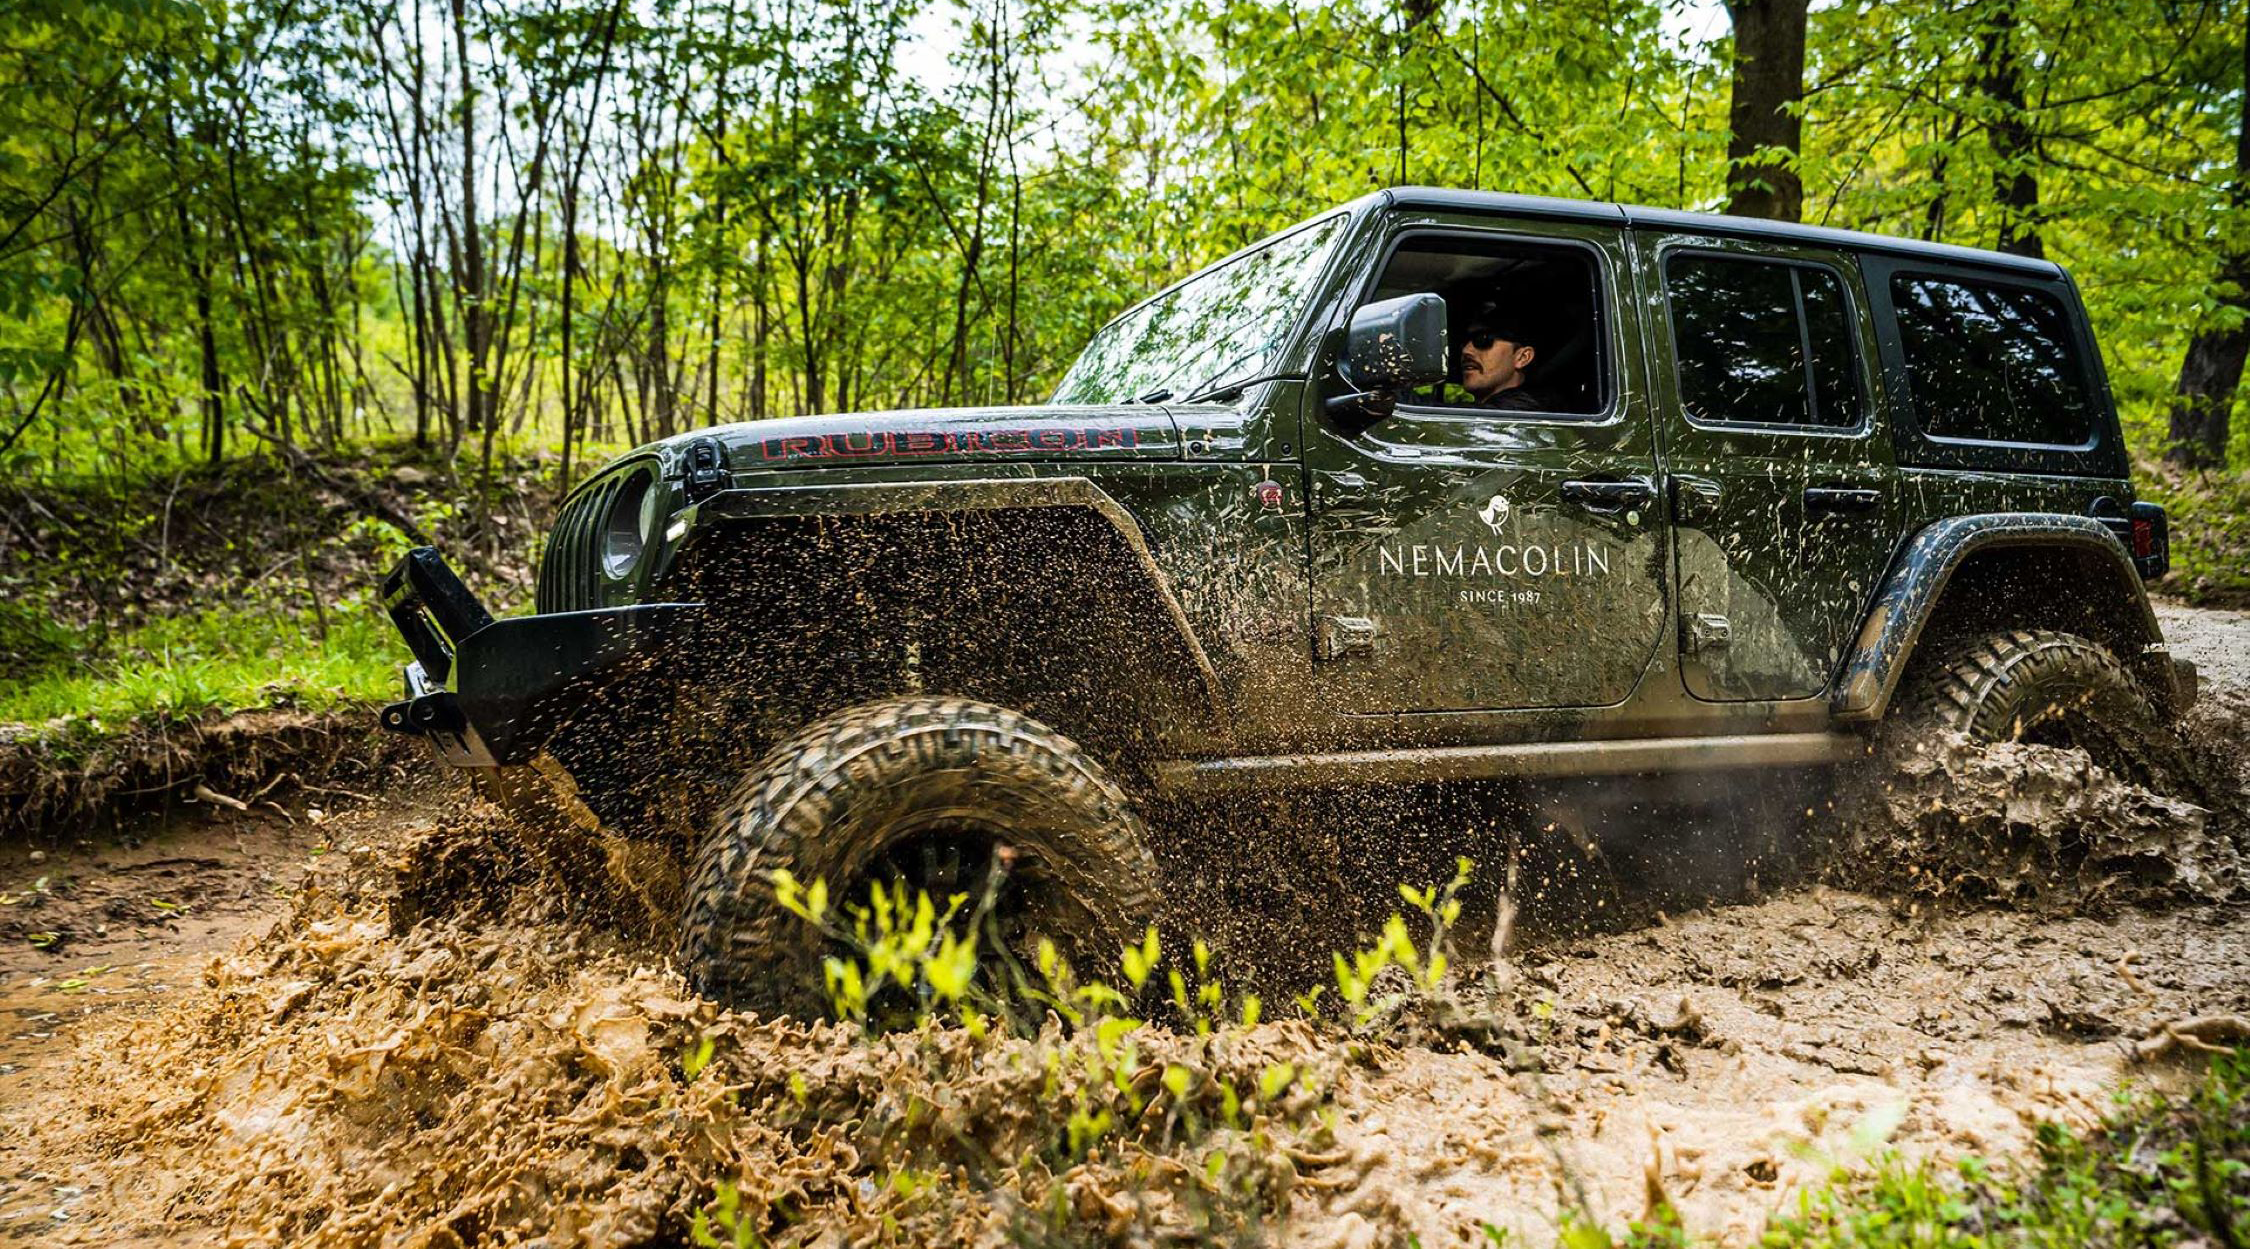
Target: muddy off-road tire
x,y
2048,688
870,785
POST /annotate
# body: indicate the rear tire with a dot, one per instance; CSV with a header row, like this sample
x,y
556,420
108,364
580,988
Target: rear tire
x,y
2049,688
867,787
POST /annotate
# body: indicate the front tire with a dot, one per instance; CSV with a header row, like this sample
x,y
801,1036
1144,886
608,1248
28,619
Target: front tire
x,y
883,786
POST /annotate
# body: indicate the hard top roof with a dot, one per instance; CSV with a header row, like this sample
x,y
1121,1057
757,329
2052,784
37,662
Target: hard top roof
x,y
1449,200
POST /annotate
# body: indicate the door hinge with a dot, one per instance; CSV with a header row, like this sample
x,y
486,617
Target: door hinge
x,y
705,471
1346,635
1705,632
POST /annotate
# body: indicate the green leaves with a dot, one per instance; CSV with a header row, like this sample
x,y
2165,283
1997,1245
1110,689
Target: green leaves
x,y
762,210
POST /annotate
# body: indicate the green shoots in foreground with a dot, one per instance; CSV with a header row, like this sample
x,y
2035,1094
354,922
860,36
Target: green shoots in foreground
x,y
2164,1170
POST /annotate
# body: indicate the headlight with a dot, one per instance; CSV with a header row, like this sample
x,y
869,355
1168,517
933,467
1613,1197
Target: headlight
x,y
632,522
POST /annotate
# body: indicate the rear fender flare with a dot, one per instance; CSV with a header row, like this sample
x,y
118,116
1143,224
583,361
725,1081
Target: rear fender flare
x,y
975,495
1923,571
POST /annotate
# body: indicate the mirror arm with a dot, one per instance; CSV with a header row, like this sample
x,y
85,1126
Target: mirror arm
x,y
1361,407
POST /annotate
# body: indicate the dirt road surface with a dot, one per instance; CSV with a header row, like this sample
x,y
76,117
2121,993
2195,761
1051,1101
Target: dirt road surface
x,y
167,1008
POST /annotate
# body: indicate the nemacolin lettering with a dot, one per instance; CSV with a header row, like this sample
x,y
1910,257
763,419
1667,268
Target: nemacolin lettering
x,y
1559,559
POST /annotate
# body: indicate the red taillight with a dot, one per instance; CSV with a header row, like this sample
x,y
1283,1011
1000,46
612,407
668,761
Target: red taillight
x,y
2144,538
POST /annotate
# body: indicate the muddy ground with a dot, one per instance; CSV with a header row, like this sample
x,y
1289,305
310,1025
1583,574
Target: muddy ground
x,y
222,1032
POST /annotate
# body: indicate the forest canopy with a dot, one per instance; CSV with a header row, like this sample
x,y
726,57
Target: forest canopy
x,y
232,228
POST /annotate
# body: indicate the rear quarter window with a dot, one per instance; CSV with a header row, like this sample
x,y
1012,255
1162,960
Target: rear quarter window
x,y
1990,362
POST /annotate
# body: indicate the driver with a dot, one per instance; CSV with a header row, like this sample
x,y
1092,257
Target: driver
x,y
1498,356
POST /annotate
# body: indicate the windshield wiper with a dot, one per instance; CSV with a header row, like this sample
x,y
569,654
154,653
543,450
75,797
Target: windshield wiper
x,y
1159,395
1229,390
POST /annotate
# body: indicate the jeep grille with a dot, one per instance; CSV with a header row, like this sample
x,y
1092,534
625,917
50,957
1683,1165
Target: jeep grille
x,y
570,575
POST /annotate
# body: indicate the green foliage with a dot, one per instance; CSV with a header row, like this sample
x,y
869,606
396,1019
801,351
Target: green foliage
x,y
2161,1171
701,211
725,1214
223,660
1426,966
2209,515
903,961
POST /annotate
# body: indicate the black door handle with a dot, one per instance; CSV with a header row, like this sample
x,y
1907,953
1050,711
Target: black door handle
x,y
1837,500
1609,496
1694,499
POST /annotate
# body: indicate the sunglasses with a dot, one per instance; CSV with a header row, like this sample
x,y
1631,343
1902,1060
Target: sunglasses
x,y
1483,340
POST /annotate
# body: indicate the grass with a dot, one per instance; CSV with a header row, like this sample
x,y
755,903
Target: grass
x,y
227,659
125,603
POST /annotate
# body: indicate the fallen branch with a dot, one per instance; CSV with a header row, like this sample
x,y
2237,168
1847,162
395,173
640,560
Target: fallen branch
x,y
2124,967
2201,1035
370,500
204,793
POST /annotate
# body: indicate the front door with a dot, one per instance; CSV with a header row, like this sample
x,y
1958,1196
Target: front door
x,y
1780,477
1501,549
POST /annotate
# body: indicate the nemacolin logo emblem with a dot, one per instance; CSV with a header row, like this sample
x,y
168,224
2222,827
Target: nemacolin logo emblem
x,y
1495,514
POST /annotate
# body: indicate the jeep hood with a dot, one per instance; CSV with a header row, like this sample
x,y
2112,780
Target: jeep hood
x,y
945,435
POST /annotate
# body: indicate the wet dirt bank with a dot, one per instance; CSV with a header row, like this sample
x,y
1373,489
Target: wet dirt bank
x,y
280,1062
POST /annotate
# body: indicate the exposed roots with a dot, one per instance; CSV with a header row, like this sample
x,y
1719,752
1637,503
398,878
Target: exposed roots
x,y
54,782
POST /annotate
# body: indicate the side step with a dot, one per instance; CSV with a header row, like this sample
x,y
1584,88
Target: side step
x,y
1181,777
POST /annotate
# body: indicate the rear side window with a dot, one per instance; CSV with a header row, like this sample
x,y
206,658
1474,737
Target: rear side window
x,y
1762,343
1991,363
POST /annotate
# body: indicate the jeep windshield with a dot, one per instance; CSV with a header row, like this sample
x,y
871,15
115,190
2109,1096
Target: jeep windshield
x,y
1221,325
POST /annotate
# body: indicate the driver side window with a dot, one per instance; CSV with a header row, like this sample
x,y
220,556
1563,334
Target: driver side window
x,y
1523,322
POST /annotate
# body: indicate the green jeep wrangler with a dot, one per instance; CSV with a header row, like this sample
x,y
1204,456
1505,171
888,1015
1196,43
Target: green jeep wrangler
x,y
1437,486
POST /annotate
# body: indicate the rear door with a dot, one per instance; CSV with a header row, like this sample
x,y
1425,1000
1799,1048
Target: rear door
x,y
1780,478
1468,557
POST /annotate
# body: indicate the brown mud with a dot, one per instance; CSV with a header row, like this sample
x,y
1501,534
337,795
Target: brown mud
x,y
405,1038
2043,826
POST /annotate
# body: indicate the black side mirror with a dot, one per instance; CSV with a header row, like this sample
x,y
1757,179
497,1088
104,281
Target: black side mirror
x,y
1397,344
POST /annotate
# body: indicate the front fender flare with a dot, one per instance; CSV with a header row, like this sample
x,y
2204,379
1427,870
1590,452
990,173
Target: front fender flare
x,y
1924,568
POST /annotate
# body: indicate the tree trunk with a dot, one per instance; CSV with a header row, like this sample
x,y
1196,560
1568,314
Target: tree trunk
x,y
2203,406
213,398
2014,187
1762,117
569,323
475,317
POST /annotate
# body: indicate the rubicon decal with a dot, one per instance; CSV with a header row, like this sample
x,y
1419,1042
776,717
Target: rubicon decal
x,y
878,444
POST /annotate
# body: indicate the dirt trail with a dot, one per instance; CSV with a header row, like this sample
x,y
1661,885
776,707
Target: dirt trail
x,y
265,1057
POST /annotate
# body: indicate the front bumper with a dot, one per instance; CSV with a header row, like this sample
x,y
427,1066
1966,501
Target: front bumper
x,y
515,682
